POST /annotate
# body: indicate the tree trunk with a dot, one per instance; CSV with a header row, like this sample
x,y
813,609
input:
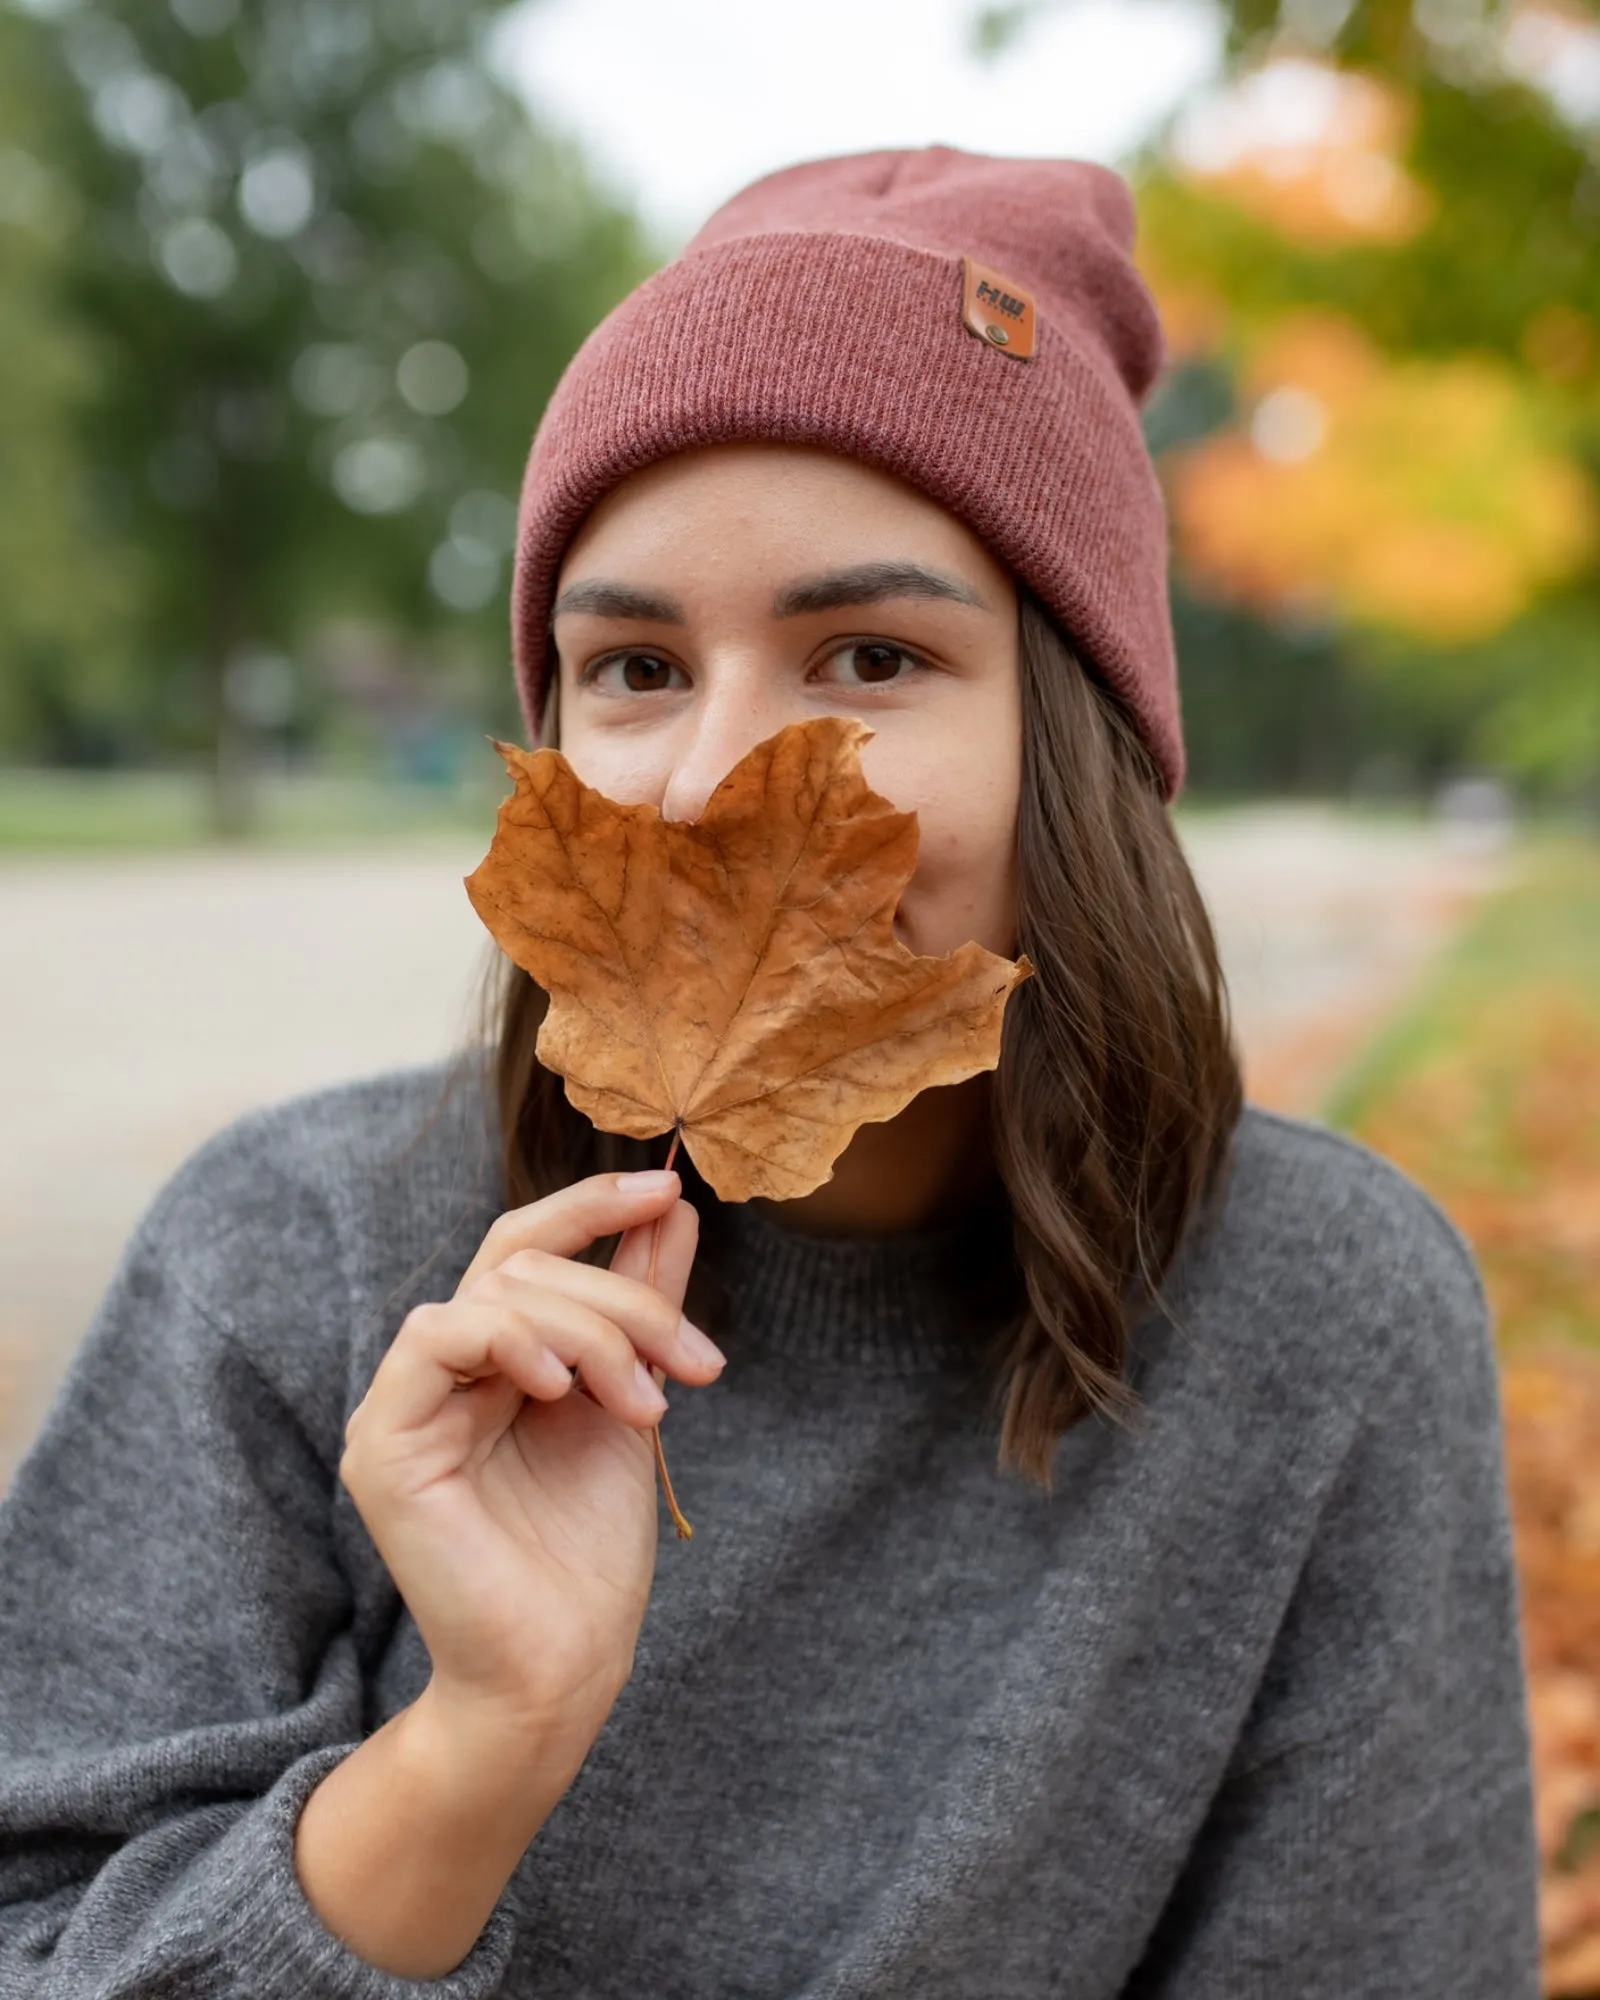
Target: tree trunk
x,y
232,791
232,813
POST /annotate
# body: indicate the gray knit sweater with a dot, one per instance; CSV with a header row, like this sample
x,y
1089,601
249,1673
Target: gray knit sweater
x,y
1238,1714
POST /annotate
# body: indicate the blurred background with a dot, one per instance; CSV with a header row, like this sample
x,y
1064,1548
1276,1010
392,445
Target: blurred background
x,y
282,294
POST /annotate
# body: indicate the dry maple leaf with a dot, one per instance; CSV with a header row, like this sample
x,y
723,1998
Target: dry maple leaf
x,y
735,978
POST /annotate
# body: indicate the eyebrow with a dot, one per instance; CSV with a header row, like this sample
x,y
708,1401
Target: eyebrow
x,y
862,583
618,600
870,583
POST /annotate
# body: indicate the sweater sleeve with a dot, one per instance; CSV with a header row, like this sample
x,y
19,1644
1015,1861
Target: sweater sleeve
x,y
1373,1838
178,1660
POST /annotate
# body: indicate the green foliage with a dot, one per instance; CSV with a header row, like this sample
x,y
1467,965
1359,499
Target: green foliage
x,y
1526,700
1506,266
1514,234
330,272
63,588
1293,710
1508,237
994,29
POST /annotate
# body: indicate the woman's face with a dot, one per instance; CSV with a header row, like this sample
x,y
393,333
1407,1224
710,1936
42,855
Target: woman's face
x,y
716,596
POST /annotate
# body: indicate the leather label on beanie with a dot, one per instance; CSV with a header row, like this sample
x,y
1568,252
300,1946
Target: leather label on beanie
x,y
1000,313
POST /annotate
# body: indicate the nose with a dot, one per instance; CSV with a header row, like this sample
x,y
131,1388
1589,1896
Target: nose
x,y
724,728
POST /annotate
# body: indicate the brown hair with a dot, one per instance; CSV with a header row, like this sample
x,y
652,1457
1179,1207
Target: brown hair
x,y
1118,1086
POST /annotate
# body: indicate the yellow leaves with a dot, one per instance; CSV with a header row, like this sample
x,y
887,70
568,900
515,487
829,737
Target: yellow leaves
x,y
1311,149
737,977
1436,496
1418,496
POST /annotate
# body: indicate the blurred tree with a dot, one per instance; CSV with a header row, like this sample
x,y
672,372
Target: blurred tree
x,y
1414,495
65,590
334,270
1385,229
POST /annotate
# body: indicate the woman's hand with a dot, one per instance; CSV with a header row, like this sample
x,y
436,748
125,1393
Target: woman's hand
x,y
519,1519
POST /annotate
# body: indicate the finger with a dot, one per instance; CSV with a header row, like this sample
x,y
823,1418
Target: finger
x,y
596,1357
536,1347
440,1343
574,1217
674,1258
680,1236
653,1323
611,1367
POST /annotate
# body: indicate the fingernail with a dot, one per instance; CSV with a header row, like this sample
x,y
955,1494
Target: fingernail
x,y
656,1181
647,1387
698,1348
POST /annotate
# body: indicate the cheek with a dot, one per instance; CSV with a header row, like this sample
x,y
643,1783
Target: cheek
x,y
964,887
629,774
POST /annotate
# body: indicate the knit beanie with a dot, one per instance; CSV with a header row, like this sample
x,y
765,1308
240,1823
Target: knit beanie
x,y
974,326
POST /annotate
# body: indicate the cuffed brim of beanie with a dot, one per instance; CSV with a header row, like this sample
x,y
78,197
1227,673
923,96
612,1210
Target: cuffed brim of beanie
x,y
857,344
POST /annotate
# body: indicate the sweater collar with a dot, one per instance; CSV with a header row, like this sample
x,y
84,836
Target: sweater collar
x,y
922,1301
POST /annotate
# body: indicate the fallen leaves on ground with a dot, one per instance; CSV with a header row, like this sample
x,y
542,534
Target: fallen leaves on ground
x,y
1552,1429
735,977
1502,1126
1503,1129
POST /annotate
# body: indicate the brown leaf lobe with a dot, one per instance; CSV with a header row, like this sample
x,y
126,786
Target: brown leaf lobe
x,y
737,976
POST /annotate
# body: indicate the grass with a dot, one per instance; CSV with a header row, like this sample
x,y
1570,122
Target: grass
x,y
1487,1091
65,811
1541,933
46,810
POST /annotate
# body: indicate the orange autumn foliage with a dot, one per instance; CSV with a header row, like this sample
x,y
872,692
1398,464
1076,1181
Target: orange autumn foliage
x,y
1418,496
1552,1431
1504,1129
1314,150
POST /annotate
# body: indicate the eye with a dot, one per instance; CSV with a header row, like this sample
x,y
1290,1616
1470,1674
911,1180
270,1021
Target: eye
x,y
629,673
873,663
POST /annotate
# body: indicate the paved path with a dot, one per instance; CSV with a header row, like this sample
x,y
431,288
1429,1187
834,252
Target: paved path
x,y
147,1000
1325,923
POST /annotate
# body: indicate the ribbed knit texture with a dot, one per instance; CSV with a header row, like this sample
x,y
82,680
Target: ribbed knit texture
x,y
891,1306
822,306
1237,1714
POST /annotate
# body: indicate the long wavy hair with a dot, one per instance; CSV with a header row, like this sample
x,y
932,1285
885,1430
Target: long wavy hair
x,y
1118,1087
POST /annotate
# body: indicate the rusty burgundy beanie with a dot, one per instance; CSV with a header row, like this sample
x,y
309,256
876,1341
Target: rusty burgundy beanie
x,y
974,326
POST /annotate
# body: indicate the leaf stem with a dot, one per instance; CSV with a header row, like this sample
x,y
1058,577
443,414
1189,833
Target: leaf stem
x,y
685,1532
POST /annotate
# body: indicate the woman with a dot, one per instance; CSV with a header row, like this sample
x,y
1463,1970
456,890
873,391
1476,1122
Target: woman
x,y
1102,1583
